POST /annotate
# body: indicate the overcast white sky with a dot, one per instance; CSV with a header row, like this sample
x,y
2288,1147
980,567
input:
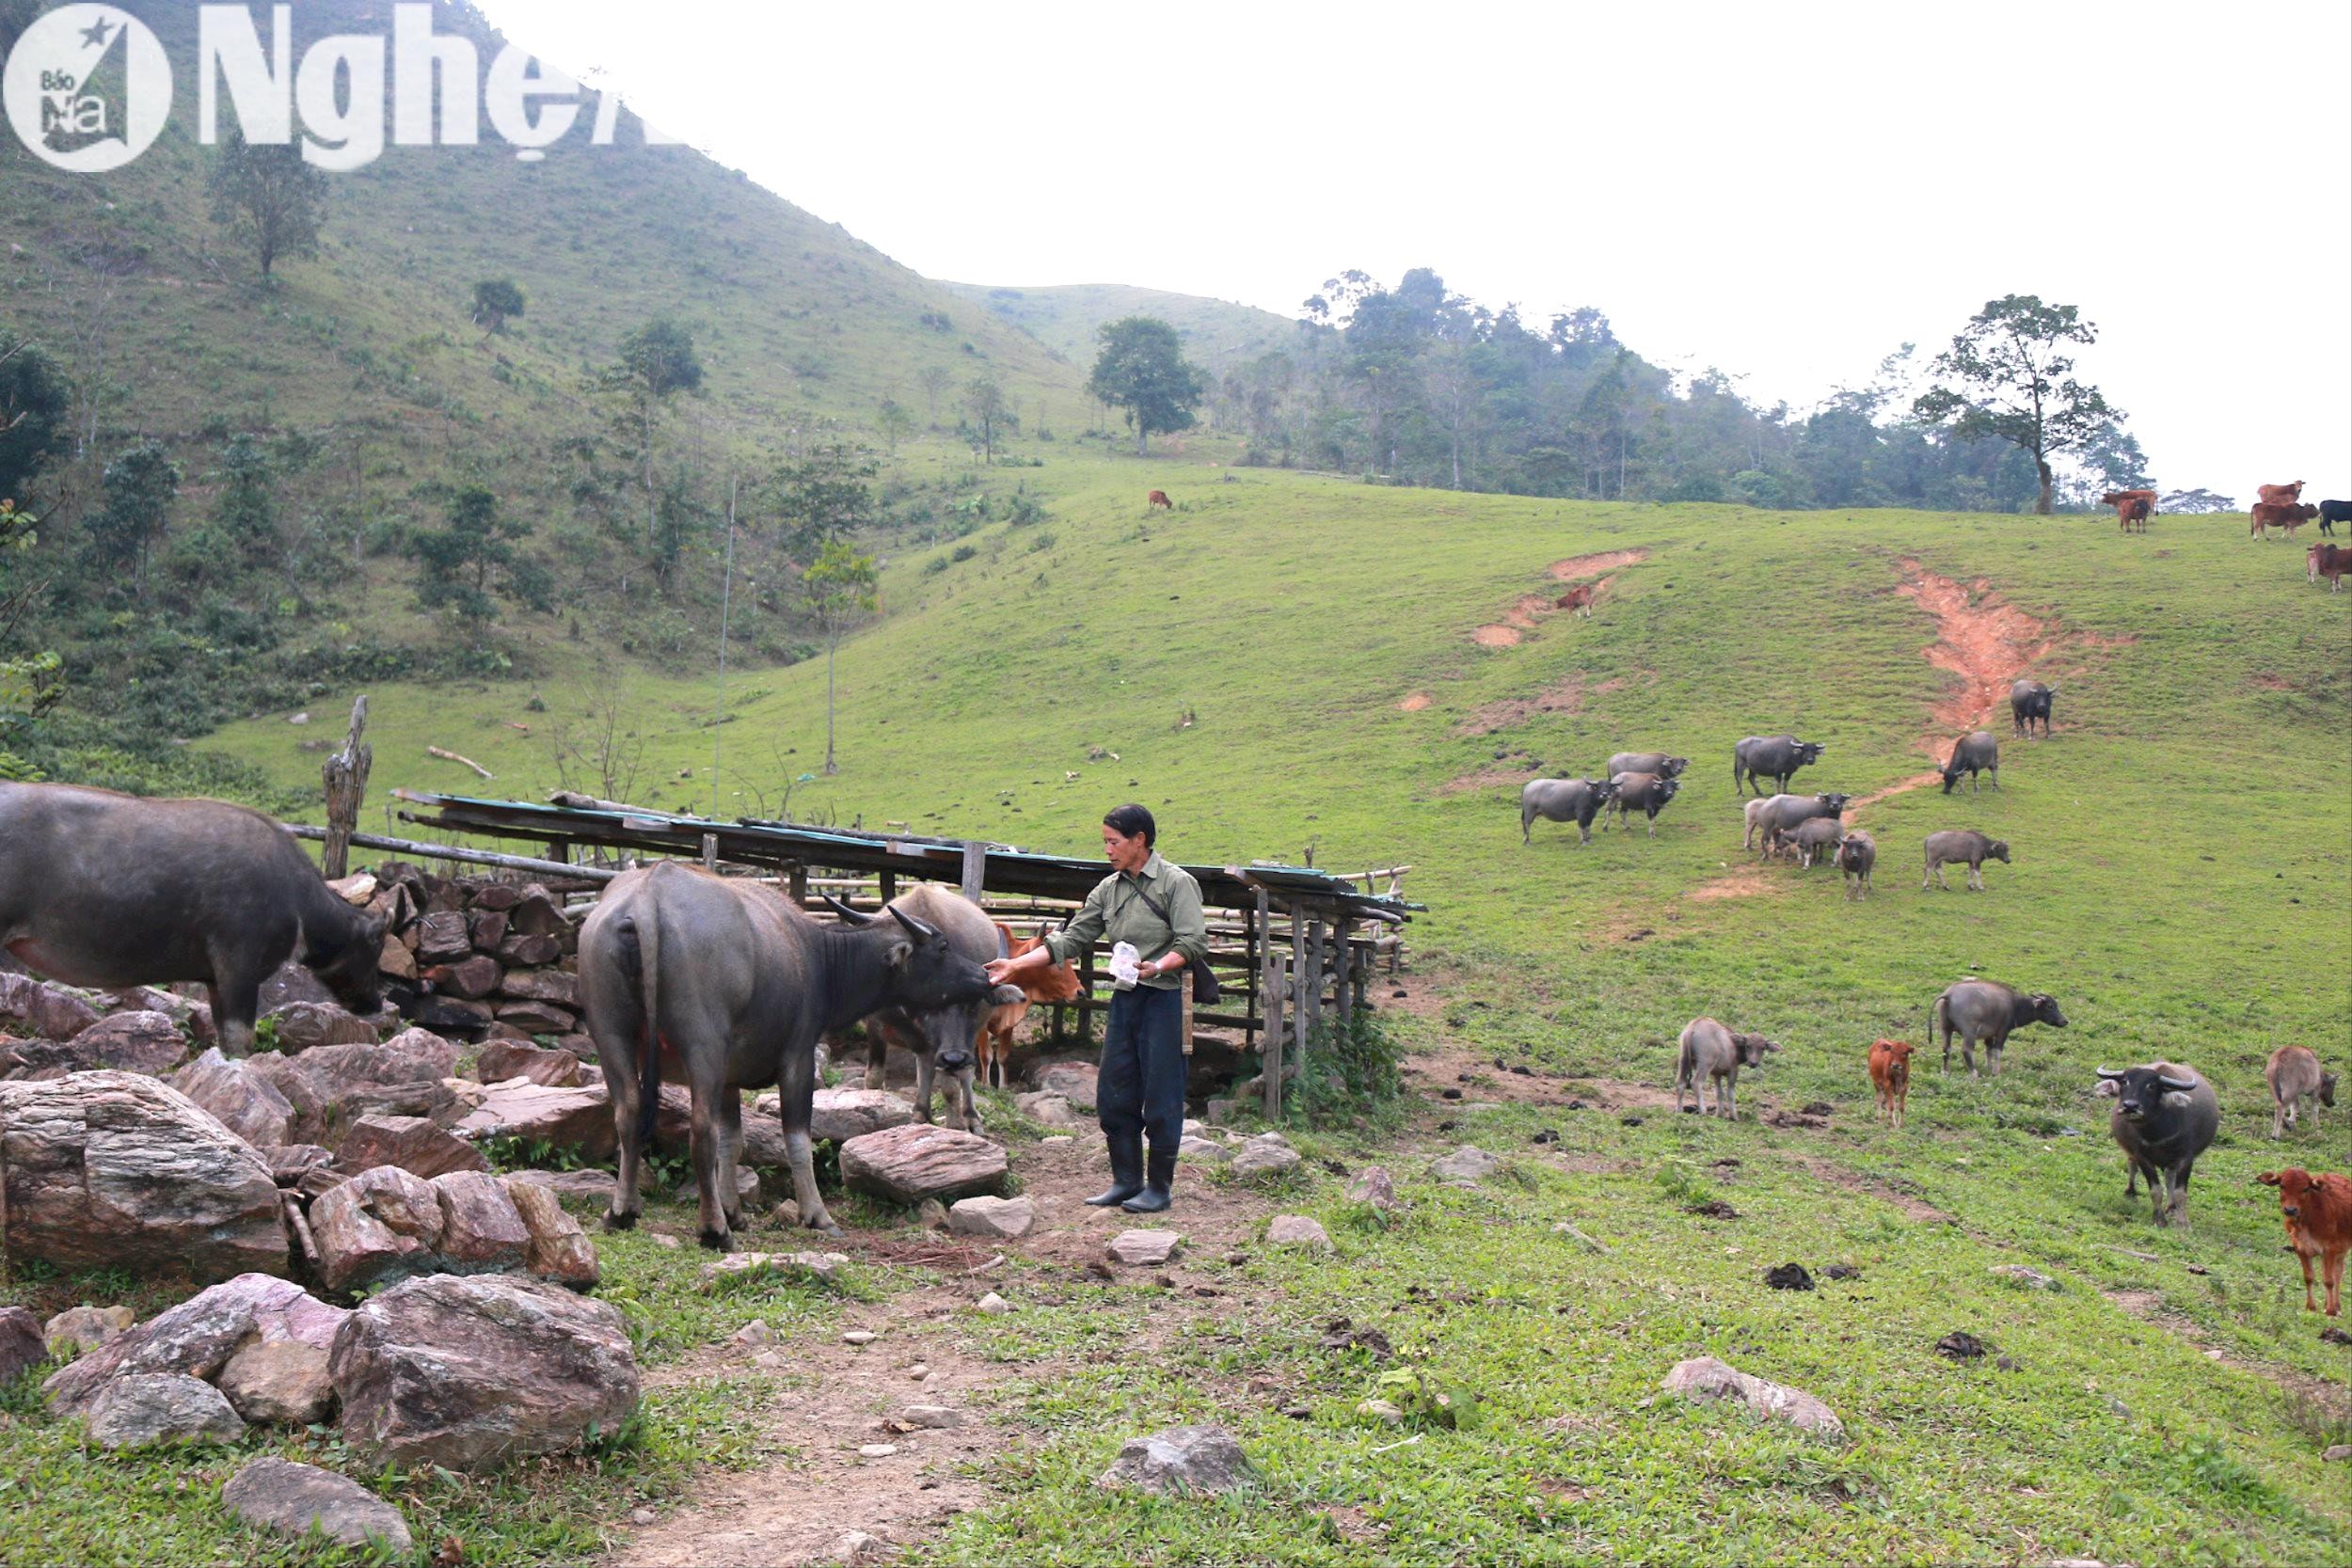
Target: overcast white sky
x,y
1788,192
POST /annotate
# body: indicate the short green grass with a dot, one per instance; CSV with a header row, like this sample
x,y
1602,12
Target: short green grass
x,y
2180,883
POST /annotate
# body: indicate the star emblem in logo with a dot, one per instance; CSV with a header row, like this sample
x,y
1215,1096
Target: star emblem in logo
x,y
95,34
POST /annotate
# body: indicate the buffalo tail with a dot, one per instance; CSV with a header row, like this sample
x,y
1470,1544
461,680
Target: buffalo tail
x,y
644,953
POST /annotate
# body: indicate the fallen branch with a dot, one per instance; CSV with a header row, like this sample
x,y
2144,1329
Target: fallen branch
x,y
1406,1443
453,756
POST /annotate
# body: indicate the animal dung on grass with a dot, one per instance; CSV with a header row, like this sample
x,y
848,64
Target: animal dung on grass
x,y
1789,1276
1961,1345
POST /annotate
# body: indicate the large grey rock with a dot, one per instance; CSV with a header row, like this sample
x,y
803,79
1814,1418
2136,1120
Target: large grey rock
x,y
503,1059
379,1223
1049,1110
544,984
468,1371
578,1118
22,1343
1376,1187
279,1382
165,1407
287,1499
1469,1163
1206,1151
1144,1248
331,1086
412,1142
1265,1155
1703,1379
999,1218
78,1330
424,1045
1073,1081
307,1025
118,1170
907,1164
1183,1461
836,1116
558,1250
537,1018
240,1100
30,1006
148,1042
575,1186
197,1337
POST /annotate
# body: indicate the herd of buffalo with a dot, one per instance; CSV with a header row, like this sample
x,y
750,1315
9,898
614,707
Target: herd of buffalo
x,y
2164,1115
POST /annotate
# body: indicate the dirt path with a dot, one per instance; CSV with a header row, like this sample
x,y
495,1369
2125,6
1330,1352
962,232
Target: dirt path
x,y
1530,609
817,1495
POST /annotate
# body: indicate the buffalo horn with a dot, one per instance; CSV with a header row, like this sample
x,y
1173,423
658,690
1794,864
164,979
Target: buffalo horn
x,y
922,929
849,916
2111,1077
2178,1086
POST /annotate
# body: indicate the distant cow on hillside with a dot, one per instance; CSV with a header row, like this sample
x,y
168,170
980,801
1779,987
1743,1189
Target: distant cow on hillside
x,y
2288,493
2317,1211
2288,515
2332,513
2327,561
2127,503
1158,498
1579,599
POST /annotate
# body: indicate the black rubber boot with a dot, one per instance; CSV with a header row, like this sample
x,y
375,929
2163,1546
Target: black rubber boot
x,y
1154,1196
1126,1171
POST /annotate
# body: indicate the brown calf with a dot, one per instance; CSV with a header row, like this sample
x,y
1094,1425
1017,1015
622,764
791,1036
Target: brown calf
x,y
2126,502
1579,599
1158,498
2288,493
1890,1069
2327,561
993,1047
2317,1211
2289,516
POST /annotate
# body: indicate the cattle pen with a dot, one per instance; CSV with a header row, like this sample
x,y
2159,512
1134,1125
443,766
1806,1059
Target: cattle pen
x,y
1294,948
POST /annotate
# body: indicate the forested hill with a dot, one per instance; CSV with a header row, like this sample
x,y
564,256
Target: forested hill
x,y
1218,335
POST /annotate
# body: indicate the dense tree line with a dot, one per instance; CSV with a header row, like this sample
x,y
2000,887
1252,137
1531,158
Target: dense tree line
x,y
1417,384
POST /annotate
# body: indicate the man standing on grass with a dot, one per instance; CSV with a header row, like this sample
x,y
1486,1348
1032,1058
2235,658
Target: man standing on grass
x,y
1150,911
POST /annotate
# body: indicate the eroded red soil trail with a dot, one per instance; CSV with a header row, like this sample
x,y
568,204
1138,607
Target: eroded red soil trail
x,y
1532,608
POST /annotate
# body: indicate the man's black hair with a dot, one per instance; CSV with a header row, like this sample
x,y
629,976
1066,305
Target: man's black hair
x,y
1129,820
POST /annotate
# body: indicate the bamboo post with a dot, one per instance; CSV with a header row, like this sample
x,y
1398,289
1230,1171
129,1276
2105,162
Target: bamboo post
x,y
346,776
1301,1002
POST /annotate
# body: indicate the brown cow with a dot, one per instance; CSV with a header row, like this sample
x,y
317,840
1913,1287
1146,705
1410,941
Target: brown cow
x,y
1579,599
1158,498
2137,515
2289,516
2124,501
2317,1211
2327,561
1056,983
1890,1071
2289,493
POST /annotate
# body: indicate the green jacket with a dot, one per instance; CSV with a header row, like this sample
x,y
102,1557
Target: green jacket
x,y
1115,911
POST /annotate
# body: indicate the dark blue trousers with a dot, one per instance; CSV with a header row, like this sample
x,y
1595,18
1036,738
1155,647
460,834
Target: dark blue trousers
x,y
1140,1087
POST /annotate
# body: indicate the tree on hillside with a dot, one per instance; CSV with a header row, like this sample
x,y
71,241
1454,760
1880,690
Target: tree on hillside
x,y
269,198
894,422
1142,369
823,498
988,415
657,362
496,302
30,679
34,405
935,379
838,588
464,563
2010,380
141,484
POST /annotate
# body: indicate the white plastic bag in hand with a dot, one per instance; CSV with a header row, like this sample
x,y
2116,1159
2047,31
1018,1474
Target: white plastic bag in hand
x,y
1126,966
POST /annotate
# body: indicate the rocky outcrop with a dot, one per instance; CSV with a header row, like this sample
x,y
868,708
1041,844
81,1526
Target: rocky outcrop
x,y
240,1100
198,1337
907,1164
31,1008
146,1042
412,1142
307,1025
118,1170
470,1372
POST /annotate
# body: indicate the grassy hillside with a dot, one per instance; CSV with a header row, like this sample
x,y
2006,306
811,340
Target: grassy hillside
x,y
1217,334
2181,871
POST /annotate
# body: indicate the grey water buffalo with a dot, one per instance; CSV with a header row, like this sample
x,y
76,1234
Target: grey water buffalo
x,y
1576,800
2294,1075
1782,812
947,1039
1961,845
1642,792
1974,753
1647,762
1817,838
1712,1054
1986,1010
1777,757
1857,858
2029,700
2165,1116
724,985
106,890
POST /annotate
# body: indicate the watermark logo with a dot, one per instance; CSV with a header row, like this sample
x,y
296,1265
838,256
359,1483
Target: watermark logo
x,y
87,87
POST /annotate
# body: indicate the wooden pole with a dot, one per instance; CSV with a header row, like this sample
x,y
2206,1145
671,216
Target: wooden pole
x,y
796,879
1301,1006
710,851
346,775
1269,1010
976,875
886,886
452,852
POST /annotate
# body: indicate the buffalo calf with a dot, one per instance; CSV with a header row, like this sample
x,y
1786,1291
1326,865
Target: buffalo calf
x,y
1712,1053
2317,1211
2294,1075
1890,1074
